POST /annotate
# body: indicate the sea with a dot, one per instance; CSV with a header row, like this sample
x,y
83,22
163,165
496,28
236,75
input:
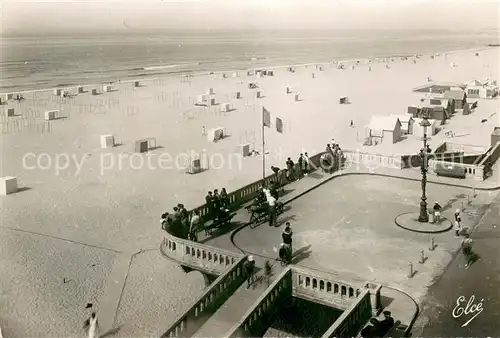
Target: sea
x,y
29,63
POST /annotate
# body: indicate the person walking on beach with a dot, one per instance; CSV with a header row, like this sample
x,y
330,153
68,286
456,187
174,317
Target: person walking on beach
x,y
92,326
458,223
437,212
250,270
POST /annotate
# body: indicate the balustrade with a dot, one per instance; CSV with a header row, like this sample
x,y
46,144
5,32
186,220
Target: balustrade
x,y
321,287
352,319
198,256
254,319
221,289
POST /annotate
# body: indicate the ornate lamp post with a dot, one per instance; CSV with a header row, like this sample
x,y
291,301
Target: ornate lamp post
x,y
424,216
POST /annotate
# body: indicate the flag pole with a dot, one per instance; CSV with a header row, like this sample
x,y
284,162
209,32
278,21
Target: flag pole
x,y
263,147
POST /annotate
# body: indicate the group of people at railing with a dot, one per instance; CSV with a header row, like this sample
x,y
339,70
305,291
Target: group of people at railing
x,y
176,223
184,225
332,158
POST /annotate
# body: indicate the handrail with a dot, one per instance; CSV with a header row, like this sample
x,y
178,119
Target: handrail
x,y
219,291
264,304
355,315
334,291
207,258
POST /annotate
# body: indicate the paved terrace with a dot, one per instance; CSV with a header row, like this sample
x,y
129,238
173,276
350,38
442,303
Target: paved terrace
x,y
345,223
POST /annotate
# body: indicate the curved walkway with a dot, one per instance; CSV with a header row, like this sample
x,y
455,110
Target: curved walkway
x,y
397,301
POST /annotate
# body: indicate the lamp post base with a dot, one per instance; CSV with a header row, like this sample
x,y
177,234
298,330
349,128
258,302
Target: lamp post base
x,y
424,216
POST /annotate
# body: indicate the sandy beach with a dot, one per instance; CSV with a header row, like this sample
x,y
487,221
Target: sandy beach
x,y
78,197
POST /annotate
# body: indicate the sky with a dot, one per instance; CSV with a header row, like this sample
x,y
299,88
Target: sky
x,y
52,16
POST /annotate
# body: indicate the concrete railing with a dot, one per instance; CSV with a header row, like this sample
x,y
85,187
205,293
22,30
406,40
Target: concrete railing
x,y
215,295
491,156
249,192
357,301
326,288
353,318
377,160
205,258
260,314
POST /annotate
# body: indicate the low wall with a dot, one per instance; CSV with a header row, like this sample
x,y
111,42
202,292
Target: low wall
x,y
213,297
258,317
352,319
358,301
249,192
490,157
205,258
325,288
379,160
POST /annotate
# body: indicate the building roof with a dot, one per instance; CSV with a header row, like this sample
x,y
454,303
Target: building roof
x,y
474,83
403,118
418,120
496,132
443,101
454,94
383,123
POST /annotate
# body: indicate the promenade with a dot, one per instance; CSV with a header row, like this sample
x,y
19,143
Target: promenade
x,y
345,223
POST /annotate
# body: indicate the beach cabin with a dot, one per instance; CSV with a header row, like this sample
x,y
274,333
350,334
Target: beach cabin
x,y
212,101
447,104
288,90
57,92
434,112
258,94
478,90
458,95
225,107
418,130
495,136
8,185
107,89
137,84
94,92
237,95
51,115
270,73
297,97
80,89
406,123
385,129
210,91
215,134
107,141
202,99
235,74
10,112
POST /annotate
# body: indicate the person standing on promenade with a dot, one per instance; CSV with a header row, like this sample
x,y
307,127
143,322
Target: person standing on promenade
x,y
306,164
458,223
209,200
287,236
437,212
300,162
195,226
271,201
290,166
250,270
